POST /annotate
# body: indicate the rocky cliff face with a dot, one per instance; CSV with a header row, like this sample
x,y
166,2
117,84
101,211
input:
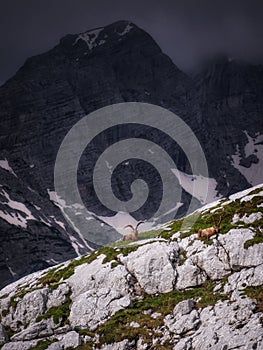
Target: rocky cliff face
x,y
166,291
84,72
49,94
230,94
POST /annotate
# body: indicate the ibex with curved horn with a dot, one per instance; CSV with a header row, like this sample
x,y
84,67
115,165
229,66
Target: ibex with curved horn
x,y
210,231
134,234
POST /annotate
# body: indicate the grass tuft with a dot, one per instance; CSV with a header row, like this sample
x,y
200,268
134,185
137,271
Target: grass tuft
x,y
163,304
256,293
43,344
59,313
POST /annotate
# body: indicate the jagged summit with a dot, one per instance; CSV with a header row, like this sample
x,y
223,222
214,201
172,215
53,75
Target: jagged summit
x,y
101,35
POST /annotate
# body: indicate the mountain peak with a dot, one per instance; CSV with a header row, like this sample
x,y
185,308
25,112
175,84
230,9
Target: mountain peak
x,y
100,35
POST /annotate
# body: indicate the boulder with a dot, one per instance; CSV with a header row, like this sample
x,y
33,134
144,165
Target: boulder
x,y
153,265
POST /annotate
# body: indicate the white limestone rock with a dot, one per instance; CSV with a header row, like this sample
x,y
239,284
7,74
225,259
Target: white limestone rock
x,y
95,306
19,345
55,346
3,335
123,345
40,329
69,340
239,257
247,219
58,296
189,275
213,260
246,277
153,266
183,319
97,275
229,325
184,307
32,305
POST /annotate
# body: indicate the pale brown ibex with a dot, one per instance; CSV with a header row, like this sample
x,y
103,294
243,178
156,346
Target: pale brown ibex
x,y
210,231
133,236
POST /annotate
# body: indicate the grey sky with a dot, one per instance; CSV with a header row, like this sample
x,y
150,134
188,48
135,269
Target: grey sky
x,y
188,31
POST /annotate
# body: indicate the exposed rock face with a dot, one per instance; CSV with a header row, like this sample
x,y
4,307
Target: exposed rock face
x,y
49,94
3,335
230,95
33,233
156,273
118,63
95,299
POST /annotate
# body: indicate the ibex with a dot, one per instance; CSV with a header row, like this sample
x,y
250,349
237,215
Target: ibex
x,y
134,234
210,231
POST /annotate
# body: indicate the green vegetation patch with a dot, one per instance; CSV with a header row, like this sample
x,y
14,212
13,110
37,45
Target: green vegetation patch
x,y
84,332
224,214
59,313
9,331
118,328
194,221
85,346
55,275
257,227
256,293
183,257
4,296
149,234
20,295
43,344
256,191
5,312
174,227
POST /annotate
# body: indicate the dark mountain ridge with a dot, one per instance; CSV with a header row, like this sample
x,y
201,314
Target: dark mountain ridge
x,y
108,65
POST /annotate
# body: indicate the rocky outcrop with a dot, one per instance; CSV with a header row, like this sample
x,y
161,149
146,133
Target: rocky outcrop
x,y
156,273
174,292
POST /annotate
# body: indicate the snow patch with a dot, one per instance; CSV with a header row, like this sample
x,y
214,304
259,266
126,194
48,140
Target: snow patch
x,y
90,38
126,30
5,165
13,219
121,219
253,174
61,224
45,222
18,218
52,261
172,210
118,221
61,204
76,245
17,205
196,186
11,271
